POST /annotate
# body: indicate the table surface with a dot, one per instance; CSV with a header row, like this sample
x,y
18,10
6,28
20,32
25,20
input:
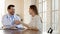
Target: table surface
x,y
18,31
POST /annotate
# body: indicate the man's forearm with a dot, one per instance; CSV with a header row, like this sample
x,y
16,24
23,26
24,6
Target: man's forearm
x,y
17,22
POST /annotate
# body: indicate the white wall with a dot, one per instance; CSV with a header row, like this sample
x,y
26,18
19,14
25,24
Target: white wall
x,y
27,16
19,6
2,11
26,11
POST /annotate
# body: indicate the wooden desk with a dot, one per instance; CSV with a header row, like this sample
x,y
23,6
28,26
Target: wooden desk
x,y
19,32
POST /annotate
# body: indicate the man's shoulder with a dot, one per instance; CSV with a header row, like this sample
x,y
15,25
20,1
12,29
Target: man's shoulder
x,y
5,15
16,15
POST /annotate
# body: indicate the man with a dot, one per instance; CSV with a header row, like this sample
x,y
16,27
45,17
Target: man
x,y
11,20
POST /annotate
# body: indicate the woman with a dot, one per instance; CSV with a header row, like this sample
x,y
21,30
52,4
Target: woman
x,y
36,22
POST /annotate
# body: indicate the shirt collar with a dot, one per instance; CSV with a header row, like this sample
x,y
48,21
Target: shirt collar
x,y
9,15
34,16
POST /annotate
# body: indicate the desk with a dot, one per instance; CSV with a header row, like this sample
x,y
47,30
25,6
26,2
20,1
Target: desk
x,y
19,32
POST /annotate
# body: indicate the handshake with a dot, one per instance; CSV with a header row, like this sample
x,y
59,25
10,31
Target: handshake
x,y
17,22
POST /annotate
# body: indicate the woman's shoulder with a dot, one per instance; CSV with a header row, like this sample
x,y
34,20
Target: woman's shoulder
x,y
37,16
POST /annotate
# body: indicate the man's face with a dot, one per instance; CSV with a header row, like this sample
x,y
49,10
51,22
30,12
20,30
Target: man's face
x,y
11,10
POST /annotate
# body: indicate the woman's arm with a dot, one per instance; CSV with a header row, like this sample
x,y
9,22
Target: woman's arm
x,y
33,28
29,27
26,25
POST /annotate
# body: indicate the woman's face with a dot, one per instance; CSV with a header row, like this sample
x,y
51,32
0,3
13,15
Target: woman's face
x,y
31,12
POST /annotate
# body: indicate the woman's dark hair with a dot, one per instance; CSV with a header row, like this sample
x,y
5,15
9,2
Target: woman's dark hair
x,y
10,6
34,8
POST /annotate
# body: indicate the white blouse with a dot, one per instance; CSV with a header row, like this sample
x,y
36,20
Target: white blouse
x,y
36,22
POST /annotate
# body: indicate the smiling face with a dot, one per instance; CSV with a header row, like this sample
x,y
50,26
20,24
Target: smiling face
x,y
31,12
11,10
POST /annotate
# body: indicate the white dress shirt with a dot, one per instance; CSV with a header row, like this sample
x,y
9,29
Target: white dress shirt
x,y
8,21
36,22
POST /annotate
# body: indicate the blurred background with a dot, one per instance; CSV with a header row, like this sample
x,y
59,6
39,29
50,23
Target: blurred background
x,y
49,11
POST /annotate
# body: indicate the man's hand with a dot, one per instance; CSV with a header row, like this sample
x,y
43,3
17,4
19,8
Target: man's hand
x,y
13,27
17,22
3,27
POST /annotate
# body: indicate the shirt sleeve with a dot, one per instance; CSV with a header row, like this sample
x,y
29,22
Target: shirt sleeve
x,y
5,21
36,23
18,18
39,24
32,23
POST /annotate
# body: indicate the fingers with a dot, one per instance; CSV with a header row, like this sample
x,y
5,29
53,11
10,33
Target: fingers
x,y
17,22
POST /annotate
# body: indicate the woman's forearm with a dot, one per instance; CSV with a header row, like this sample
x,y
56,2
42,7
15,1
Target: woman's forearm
x,y
25,25
33,28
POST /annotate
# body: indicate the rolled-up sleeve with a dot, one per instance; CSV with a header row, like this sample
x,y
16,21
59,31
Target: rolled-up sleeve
x,y
19,19
39,24
5,21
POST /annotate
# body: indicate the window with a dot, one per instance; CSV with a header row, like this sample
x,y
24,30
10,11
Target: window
x,y
42,12
2,12
55,14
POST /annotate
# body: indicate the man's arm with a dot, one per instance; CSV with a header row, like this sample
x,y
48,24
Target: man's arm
x,y
4,22
17,22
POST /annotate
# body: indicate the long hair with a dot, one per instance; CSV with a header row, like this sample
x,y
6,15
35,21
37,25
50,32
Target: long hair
x,y
34,8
